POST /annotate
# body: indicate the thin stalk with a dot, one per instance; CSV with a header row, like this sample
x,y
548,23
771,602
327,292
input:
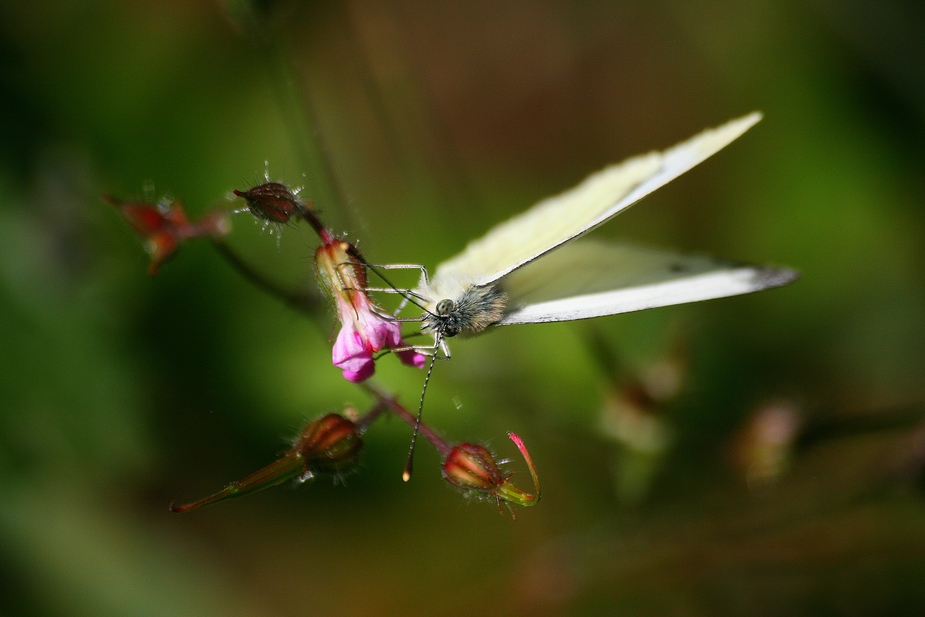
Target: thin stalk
x,y
303,302
286,468
410,419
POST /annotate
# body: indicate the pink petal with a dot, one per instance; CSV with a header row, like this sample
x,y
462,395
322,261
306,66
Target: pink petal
x,y
412,358
407,356
365,372
378,332
352,355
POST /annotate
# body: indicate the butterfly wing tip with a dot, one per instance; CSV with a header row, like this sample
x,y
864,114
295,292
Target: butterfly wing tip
x,y
746,122
768,277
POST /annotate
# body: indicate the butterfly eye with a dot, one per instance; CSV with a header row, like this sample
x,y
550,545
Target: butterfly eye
x,y
445,307
451,328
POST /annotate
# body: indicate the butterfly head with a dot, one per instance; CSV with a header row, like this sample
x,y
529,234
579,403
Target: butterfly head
x,y
445,319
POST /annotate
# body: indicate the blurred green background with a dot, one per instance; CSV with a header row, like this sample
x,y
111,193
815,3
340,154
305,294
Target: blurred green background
x,y
784,477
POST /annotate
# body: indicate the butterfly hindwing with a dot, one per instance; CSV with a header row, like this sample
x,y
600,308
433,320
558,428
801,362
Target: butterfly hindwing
x,y
590,279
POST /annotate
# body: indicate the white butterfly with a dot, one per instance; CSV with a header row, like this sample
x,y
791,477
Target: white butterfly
x,y
530,269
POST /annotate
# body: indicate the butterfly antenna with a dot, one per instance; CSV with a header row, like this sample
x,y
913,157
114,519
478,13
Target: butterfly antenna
x,y
406,474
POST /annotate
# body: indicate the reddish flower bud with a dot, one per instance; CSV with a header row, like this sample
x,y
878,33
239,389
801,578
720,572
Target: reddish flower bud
x,y
272,201
472,469
165,226
330,445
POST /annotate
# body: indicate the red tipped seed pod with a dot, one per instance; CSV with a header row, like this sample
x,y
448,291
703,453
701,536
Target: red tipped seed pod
x,y
473,469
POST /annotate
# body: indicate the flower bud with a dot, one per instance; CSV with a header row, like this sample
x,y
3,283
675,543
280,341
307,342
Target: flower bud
x,y
272,201
472,469
329,445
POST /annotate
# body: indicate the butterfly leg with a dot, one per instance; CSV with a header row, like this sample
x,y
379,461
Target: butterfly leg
x,y
406,294
439,352
393,290
424,278
439,349
445,349
389,317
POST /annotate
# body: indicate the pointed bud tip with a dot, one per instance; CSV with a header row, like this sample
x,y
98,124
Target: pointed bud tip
x,y
173,507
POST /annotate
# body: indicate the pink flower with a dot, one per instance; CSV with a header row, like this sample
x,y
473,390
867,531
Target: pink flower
x,y
364,332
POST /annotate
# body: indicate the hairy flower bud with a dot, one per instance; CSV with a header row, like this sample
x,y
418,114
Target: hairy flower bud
x,y
330,445
364,331
472,468
272,201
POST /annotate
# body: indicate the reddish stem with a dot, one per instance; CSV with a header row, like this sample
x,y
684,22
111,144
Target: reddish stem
x,y
411,419
290,466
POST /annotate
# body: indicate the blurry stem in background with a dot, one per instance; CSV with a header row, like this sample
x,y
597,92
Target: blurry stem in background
x,y
303,302
404,106
266,22
307,137
827,425
604,355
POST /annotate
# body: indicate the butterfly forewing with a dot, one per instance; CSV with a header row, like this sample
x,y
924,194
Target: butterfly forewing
x,y
556,220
